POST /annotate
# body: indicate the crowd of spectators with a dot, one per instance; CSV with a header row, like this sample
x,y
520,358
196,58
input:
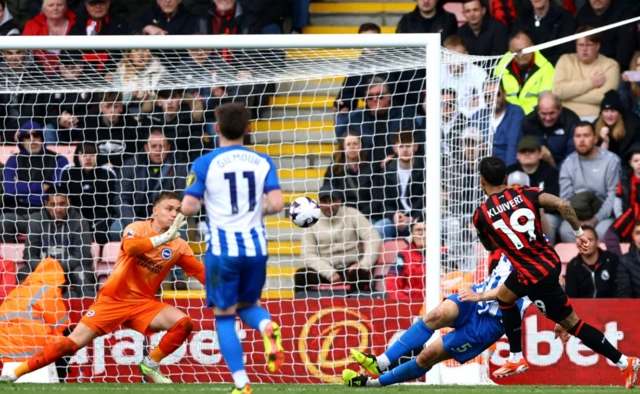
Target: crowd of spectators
x,y
565,120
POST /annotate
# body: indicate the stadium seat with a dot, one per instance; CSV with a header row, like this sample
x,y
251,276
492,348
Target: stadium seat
x,y
566,251
6,151
104,269
12,252
456,9
95,254
387,256
110,252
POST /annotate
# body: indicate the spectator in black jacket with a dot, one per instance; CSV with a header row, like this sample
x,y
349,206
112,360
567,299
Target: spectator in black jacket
x,y
144,176
112,131
166,17
7,25
541,175
619,43
483,35
592,274
91,190
629,268
617,128
404,188
243,17
429,17
546,22
553,125
97,19
352,175
182,120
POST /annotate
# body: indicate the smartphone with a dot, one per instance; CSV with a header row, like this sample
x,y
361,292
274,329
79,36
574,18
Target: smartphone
x,y
634,76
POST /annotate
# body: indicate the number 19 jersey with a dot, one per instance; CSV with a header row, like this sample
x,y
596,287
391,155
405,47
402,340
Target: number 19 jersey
x,y
511,219
232,182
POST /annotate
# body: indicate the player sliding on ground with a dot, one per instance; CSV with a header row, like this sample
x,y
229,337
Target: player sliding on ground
x,y
475,317
510,220
148,251
238,186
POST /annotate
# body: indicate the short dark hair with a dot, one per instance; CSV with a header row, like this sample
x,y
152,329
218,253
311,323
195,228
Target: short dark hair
x,y
449,92
493,170
590,228
369,27
86,148
584,123
523,32
455,41
111,97
55,190
471,1
169,93
233,119
166,196
636,224
404,137
595,38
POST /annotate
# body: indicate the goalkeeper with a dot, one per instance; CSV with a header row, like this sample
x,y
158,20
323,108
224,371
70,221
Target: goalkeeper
x,y
148,251
475,317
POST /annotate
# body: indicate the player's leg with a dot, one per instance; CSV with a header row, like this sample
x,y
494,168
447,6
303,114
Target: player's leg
x,y
223,288
415,337
178,326
81,336
411,370
553,302
252,280
508,294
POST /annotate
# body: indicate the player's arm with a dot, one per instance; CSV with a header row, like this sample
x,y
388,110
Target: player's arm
x,y
190,205
469,295
550,201
192,267
273,202
487,242
134,245
195,188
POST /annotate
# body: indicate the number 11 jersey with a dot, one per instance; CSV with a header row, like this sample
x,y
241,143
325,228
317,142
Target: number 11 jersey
x,y
511,219
232,181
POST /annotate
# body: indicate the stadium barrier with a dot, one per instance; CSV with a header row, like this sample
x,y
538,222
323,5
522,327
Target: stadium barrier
x,y
319,332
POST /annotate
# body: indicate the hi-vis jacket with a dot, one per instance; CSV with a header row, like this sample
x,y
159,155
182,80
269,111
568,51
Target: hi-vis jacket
x,y
34,313
523,90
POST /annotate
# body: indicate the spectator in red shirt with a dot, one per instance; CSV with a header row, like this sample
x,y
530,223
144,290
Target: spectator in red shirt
x,y
405,280
54,20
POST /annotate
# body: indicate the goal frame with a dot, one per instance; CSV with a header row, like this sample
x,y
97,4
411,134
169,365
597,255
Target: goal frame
x,y
431,42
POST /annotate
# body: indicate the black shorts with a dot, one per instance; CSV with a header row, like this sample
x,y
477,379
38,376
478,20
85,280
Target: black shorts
x,y
547,294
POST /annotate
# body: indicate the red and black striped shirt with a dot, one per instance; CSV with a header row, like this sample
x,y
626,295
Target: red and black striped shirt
x,y
511,219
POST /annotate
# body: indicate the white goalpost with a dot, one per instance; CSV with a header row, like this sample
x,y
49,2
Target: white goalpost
x,y
289,83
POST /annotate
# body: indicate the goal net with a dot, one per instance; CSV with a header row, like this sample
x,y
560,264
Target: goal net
x,y
90,137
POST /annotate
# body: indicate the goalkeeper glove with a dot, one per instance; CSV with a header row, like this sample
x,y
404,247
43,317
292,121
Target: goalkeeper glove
x,y
172,233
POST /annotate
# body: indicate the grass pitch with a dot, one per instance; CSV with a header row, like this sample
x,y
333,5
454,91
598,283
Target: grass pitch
x,y
96,388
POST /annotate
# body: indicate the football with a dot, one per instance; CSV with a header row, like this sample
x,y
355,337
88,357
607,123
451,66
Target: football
x,y
304,212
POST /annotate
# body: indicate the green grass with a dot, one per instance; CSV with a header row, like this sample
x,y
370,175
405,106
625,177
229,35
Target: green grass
x,y
95,388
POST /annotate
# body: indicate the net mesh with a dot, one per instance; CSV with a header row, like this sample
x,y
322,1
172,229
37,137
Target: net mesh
x,y
121,126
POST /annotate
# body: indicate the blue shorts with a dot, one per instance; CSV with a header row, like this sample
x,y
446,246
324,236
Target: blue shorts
x,y
234,279
473,333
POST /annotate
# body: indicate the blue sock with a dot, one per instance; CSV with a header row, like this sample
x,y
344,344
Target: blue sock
x,y
253,315
403,373
230,347
417,335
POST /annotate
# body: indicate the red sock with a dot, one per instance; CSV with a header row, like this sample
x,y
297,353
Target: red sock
x,y
173,339
49,354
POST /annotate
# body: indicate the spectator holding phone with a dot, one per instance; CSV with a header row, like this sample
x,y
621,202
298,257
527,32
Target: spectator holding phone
x,y
633,77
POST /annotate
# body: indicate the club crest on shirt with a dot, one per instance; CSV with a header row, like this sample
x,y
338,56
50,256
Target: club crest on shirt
x,y
130,234
91,313
166,253
191,179
605,275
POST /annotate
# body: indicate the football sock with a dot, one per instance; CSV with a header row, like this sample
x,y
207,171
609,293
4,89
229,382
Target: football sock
x,y
173,339
231,349
595,340
515,357
623,363
255,316
373,383
417,335
403,373
47,355
512,322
